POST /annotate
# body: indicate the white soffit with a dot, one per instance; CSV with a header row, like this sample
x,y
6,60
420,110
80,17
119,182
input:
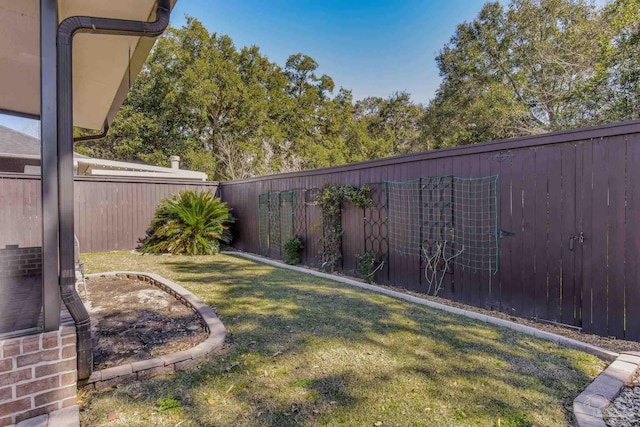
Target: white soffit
x,y
103,65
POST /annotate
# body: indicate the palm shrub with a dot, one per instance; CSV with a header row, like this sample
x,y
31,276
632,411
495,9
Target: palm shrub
x,y
191,222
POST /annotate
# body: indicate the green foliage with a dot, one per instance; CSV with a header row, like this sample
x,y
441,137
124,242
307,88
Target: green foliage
x,y
232,113
367,265
533,66
521,67
392,125
330,201
191,222
614,91
293,248
168,403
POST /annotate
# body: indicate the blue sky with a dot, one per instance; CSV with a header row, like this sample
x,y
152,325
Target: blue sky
x,y
372,47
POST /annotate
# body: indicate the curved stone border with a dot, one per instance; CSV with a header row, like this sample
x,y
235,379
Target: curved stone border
x,y
599,352
590,405
179,361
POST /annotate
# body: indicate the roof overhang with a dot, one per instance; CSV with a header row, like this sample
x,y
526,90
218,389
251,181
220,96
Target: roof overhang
x,y
104,66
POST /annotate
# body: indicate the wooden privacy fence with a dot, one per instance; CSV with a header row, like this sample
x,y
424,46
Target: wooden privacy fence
x,y
568,224
110,213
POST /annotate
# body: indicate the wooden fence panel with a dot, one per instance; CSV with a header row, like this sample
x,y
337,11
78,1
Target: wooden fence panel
x,y
632,231
109,214
550,188
20,211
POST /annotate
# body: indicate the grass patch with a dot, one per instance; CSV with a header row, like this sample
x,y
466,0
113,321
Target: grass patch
x,y
308,351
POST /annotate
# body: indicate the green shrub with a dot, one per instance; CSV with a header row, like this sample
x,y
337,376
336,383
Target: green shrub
x,y
331,199
191,223
367,265
293,248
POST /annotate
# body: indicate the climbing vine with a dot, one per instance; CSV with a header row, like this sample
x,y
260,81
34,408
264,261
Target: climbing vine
x,y
331,199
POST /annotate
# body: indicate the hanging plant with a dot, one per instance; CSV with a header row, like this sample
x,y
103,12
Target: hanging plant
x,y
331,199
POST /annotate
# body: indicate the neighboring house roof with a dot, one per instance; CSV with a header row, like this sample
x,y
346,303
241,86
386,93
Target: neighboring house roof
x,y
16,144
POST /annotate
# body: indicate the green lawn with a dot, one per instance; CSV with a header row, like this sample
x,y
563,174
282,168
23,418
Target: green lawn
x,y
307,351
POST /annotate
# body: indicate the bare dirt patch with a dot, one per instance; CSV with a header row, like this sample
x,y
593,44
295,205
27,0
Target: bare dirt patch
x,y
132,320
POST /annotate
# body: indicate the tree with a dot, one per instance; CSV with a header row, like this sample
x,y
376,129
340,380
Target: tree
x,y
614,91
231,112
514,71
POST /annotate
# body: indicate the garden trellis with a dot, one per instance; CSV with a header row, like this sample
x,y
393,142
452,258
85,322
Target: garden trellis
x,y
449,218
564,201
275,220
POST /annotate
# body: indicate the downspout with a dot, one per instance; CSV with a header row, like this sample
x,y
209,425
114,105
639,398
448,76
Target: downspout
x,y
66,30
103,134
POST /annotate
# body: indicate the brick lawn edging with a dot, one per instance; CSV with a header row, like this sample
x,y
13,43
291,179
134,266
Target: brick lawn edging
x,y
174,362
590,405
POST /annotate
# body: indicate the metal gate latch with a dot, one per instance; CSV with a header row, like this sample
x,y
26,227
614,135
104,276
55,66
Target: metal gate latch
x,y
572,239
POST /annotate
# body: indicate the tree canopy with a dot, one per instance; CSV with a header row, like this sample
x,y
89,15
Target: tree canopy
x,y
535,66
527,67
233,114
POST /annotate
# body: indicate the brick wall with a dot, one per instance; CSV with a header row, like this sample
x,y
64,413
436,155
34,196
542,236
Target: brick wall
x,y
37,374
19,262
21,288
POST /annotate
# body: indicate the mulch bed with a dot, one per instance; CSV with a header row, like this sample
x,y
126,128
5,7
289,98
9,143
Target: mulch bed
x,y
132,320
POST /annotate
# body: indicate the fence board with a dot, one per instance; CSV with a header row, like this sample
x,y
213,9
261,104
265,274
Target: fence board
x,y
413,270
616,254
598,240
541,233
585,181
632,266
554,235
527,264
459,279
506,222
474,292
568,228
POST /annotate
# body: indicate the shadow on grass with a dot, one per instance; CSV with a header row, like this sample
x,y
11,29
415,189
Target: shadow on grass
x,y
274,316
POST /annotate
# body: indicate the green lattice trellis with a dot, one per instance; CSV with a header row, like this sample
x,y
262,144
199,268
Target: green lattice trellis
x,y
275,221
457,215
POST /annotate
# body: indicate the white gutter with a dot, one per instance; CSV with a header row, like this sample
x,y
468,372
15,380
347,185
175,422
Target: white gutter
x,y
20,156
196,176
130,166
